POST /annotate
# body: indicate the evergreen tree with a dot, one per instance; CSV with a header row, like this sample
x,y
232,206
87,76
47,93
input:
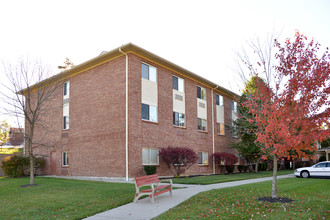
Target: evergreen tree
x,y
246,127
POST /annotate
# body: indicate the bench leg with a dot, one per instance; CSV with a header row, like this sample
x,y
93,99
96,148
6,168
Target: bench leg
x,y
171,192
136,198
152,199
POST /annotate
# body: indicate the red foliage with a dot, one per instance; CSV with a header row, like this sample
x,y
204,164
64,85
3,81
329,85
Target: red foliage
x,y
290,116
225,158
178,159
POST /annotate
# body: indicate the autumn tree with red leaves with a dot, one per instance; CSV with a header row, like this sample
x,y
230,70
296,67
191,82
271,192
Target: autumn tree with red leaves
x,y
178,159
290,116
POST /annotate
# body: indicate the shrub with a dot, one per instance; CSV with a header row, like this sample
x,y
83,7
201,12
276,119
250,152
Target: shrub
x,y
39,162
14,166
178,159
18,165
230,168
149,170
225,158
242,168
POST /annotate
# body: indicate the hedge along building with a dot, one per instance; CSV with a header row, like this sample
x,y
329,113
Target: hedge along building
x,y
117,110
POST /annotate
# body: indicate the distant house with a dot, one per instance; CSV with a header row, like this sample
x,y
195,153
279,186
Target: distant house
x,y
117,110
15,143
326,152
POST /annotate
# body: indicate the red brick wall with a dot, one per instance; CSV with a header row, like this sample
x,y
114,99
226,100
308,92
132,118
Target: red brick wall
x,y
96,138
163,133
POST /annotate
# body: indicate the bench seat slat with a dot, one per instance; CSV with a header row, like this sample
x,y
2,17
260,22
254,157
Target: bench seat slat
x,y
163,191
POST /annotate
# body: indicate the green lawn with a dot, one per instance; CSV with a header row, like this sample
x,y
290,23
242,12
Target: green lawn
x,y
312,201
204,180
10,150
60,198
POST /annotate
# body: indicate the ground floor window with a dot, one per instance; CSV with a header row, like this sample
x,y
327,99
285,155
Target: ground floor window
x,y
65,159
220,129
202,124
150,156
203,158
178,119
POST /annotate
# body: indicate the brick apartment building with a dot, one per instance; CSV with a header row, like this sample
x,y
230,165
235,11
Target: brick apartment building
x,y
115,111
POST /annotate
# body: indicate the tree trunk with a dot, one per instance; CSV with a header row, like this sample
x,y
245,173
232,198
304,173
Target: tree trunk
x,y
293,164
31,169
274,186
257,164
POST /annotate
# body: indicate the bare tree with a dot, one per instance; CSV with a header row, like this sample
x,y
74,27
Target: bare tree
x,y
30,89
257,59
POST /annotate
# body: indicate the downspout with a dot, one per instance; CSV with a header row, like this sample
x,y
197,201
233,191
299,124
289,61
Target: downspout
x,y
213,144
126,136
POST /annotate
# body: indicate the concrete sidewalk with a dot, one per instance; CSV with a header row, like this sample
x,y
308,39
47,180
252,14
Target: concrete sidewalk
x,y
144,209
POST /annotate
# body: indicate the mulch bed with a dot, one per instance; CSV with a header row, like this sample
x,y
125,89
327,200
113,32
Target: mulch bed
x,y
28,185
278,199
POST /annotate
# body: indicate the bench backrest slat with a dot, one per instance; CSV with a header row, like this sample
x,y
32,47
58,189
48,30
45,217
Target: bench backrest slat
x,y
144,180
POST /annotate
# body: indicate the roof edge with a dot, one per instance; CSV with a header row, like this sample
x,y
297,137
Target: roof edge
x,y
127,48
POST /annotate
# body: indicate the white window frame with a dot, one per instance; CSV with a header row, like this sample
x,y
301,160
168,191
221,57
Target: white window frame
x,y
202,120
234,106
66,114
180,88
149,152
180,124
220,100
154,77
149,110
234,111
219,133
221,103
65,159
203,93
205,158
66,89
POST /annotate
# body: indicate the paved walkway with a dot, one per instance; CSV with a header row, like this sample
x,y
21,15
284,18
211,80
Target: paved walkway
x,y
144,209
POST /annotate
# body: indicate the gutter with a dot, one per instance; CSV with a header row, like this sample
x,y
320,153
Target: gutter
x,y
213,144
126,92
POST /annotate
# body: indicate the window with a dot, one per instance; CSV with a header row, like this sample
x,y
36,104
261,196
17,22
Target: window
x,y
203,158
65,116
149,72
234,116
149,113
234,106
66,90
220,115
178,84
234,131
202,124
66,93
150,156
321,165
65,159
201,93
220,129
178,119
219,100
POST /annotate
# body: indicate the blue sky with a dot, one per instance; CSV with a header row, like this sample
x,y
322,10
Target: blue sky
x,y
200,36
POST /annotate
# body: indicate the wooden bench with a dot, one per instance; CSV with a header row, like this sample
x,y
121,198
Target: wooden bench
x,y
155,188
